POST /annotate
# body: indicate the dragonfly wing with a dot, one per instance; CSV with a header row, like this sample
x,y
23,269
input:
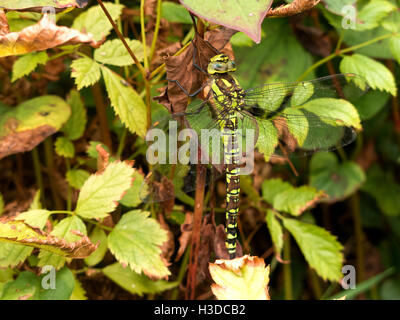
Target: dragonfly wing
x,y
304,117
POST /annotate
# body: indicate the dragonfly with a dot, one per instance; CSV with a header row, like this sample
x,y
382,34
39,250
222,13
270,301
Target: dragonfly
x,y
279,119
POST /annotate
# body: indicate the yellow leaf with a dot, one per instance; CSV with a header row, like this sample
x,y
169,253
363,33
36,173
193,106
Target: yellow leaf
x,y
244,278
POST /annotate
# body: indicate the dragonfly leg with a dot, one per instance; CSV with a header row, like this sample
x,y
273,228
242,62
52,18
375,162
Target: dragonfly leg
x,y
185,91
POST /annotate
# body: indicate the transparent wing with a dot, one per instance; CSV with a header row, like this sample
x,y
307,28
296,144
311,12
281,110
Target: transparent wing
x,y
304,117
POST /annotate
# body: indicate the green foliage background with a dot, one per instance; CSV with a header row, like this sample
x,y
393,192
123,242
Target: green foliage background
x,y
343,208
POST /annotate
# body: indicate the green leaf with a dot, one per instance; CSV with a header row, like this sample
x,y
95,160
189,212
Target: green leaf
x,y
395,47
86,72
101,191
65,284
77,177
12,254
241,15
35,204
336,6
94,21
64,147
91,150
267,138
382,186
79,292
136,241
275,230
279,56
127,103
272,187
132,197
375,73
363,286
28,63
337,180
35,218
371,103
321,249
75,126
97,235
342,111
372,13
25,287
62,230
301,94
285,197
34,4
392,22
114,52
174,12
136,283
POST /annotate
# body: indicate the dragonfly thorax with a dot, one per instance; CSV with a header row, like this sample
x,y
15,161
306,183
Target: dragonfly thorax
x,y
220,64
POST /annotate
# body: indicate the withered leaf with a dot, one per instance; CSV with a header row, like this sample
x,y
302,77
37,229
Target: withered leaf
x,y
38,5
4,29
15,231
186,229
41,36
24,127
181,68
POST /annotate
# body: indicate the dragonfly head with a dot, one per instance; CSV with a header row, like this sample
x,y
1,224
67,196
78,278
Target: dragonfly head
x,y
221,64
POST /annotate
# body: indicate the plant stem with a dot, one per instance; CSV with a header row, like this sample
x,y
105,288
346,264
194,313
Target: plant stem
x,y
156,29
181,274
197,217
38,172
120,36
68,165
339,52
287,273
143,33
355,207
49,158
122,142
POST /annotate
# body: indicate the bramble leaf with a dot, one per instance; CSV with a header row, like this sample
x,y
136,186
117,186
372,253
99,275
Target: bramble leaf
x,y
244,278
93,21
86,72
275,230
136,240
66,230
287,198
97,236
77,177
101,191
136,283
28,63
114,52
375,73
321,249
64,147
337,180
75,126
127,103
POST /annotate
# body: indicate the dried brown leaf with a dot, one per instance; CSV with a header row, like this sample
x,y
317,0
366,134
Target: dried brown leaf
x,y
181,68
41,36
184,239
297,6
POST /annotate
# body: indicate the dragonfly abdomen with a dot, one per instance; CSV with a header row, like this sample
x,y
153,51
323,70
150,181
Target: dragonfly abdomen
x,y
231,159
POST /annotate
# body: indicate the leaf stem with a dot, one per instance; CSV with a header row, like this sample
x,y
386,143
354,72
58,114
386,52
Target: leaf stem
x,y
68,165
143,33
342,51
38,172
49,158
181,274
120,36
287,272
156,29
